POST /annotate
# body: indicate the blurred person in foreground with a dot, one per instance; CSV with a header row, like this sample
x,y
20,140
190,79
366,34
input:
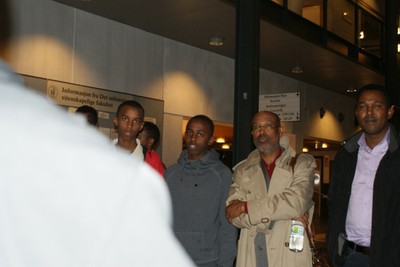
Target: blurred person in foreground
x,y
54,211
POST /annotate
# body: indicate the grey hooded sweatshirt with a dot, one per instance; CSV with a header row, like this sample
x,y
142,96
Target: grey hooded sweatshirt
x,y
199,189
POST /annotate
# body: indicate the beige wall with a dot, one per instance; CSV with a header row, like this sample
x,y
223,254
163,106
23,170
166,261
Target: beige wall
x,y
312,99
58,42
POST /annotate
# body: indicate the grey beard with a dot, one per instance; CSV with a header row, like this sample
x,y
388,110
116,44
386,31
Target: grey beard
x,y
267,148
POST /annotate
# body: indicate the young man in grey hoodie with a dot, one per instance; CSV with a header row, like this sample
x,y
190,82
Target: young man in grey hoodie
x,y
199,184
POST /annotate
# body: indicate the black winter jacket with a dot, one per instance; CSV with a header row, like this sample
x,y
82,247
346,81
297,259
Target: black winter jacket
x,y
385,233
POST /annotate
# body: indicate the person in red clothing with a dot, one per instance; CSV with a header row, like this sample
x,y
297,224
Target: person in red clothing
x,y
149,138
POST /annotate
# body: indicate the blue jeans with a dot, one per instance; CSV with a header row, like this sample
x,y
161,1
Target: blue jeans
x,y
356,259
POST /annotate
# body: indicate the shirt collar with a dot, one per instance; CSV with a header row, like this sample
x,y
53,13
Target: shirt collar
x,y
383,144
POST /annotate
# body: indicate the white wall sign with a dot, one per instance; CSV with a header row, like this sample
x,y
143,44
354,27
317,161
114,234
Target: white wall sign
x,y
286,106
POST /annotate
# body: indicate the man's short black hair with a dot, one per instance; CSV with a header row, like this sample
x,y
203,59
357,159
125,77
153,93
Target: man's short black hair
x,y
132,104
376,87
88,110
152,132
205,119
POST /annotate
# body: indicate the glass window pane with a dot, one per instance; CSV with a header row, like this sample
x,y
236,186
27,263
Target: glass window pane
x,y
370,33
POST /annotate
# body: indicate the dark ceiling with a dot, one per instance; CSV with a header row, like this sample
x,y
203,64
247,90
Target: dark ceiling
x,y
194,22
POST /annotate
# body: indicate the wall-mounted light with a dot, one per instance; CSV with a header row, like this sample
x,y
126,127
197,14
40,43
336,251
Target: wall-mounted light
x,y
305,149
398,38
220,140
216,41
324,145
225,146
362,35
340,116
322,112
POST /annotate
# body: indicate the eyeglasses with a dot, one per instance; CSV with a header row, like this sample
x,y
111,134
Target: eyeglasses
x,y
268,127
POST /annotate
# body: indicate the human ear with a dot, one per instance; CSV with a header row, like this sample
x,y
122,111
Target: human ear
x,y
211,141
391,111
280,131
115,120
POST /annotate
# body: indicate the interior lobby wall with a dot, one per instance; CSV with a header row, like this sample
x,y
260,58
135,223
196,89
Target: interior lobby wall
x,y
55,41
312,99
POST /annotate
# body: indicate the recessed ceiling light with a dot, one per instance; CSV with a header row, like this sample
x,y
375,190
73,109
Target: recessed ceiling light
x,y
297,69
351,90
216,41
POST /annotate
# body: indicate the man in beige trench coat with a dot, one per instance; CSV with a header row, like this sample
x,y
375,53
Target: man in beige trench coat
x,y
267,194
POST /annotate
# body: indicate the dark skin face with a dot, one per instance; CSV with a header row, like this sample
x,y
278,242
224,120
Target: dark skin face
x,y
372,114
144,138
266,133
197,139
128,123
91,119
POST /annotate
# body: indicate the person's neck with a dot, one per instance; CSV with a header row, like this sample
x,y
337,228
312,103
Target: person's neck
x,y
373,141
269,157
129,145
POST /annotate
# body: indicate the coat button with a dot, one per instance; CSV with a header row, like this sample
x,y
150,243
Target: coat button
x,y
264,220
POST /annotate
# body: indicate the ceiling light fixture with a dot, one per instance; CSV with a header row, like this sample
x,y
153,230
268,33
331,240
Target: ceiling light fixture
x,y
216,41
297,69
351,89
